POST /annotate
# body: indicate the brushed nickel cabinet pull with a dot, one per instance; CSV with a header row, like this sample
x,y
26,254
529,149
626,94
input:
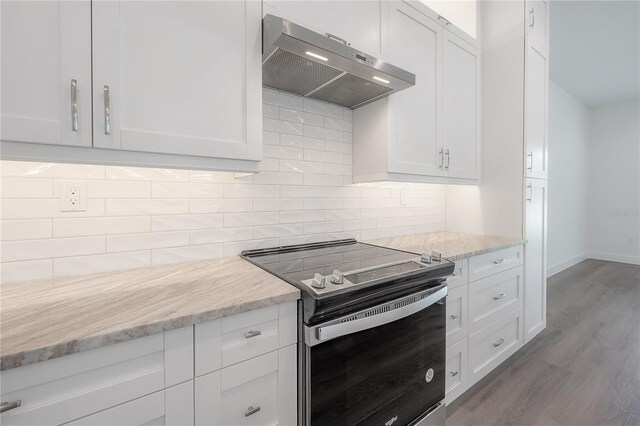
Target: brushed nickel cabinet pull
x,y
453,373
500,296
441,158
448,159
530,161
251,410
107,110
532,18
252,333
9,405
454,316
498,343
530,188
497,262
74,105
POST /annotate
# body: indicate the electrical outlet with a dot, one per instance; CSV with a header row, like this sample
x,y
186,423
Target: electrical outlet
x,y
73,196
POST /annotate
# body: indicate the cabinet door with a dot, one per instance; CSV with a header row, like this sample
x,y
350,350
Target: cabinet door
x,y
535,284
537,20
357,22
413,43
536,109
460,108
46,70
178,77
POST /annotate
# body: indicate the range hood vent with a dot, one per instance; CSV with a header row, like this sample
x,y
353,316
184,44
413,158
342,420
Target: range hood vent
x,y
300,61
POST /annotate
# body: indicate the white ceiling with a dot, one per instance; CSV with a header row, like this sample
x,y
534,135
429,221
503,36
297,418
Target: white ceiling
x,y
595,49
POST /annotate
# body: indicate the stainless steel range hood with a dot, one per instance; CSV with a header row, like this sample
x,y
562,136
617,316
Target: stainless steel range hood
x,y
324,67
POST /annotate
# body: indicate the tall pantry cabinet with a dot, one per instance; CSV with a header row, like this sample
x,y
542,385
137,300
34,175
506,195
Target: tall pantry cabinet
x,y
536,119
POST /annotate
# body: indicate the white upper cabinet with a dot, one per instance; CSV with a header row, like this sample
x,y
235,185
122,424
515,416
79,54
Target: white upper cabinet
x,y
412,43
535,293
460,108
178,77
429,132
46,72
356,22
536,111
537,20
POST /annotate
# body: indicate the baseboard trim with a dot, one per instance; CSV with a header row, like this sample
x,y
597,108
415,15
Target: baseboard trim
x,y
614,257
566,264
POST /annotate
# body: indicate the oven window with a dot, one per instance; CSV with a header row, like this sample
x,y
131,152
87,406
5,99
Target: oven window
x,y
372,376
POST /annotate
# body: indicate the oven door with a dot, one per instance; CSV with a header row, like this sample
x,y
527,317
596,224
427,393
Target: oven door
x,y
381,366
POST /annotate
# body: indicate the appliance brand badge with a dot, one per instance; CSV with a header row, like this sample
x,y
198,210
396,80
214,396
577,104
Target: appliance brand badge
x,y
429,376
391,421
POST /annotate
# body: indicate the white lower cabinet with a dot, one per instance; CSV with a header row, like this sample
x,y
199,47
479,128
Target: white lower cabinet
x,y
244,366
254,392
484,317
170,407
492,345
457,380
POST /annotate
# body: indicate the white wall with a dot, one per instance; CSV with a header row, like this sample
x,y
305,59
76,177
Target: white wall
x,y
142,216
568,162
614,182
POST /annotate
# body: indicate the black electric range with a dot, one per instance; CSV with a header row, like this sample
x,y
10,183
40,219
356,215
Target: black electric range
x,y
372,332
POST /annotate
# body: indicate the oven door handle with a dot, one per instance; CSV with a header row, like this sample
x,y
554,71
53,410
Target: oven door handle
x,y
328,332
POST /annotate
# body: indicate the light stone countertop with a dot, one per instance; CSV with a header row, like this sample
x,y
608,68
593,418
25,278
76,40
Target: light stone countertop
x,y
47,319
452,245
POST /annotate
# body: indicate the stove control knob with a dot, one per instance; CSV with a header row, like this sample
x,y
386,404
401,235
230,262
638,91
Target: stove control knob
x,y
436,255
337,277
425,258
318,281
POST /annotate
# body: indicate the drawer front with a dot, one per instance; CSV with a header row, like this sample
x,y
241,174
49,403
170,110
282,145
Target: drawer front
x,y
460,274
230,340
243,394
68,388
492,345
492,297
457,375
146,410
491,263
457,314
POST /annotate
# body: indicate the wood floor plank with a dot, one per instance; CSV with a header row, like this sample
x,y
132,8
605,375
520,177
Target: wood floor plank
x,y
583,369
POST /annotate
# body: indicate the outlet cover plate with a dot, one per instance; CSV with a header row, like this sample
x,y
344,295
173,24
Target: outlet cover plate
x,y
73,196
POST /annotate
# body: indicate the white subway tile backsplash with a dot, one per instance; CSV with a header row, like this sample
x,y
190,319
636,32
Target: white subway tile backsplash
x,y
125,207
144,173
186,190
14,251
186,222
145,241
78,265
289,114
26,188
15,230
140,216
79,227
184,254
26,271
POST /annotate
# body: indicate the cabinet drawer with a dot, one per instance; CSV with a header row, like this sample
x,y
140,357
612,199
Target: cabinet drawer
x,y
491,263
227,341
457,380
460,274
457,314
492,297
490,346
64,389
230,340
243,394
